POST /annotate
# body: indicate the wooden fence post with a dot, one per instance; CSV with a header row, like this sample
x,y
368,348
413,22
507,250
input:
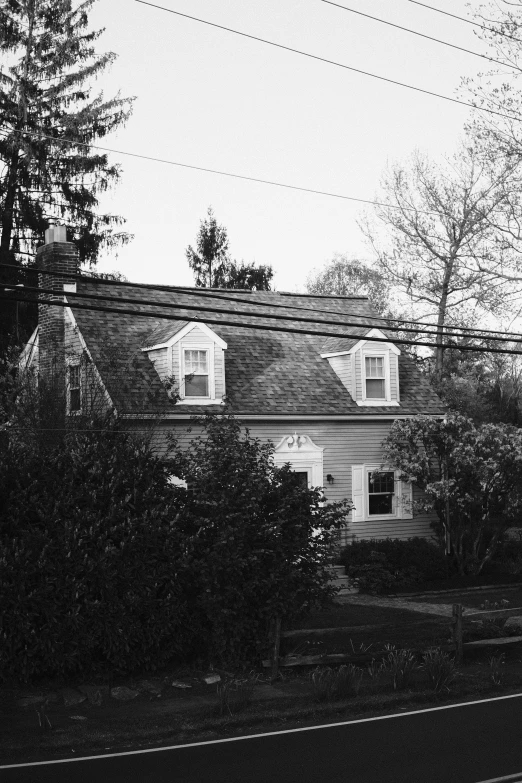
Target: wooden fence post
x,y
276,642
457,632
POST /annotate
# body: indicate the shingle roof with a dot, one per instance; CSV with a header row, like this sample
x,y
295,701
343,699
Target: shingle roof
x,y
268,372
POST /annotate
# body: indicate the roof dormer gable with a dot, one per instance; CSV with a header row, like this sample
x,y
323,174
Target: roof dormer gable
x,y
368,368
192,357
158,340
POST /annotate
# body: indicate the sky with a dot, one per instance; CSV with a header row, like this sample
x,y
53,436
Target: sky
x,y
208,98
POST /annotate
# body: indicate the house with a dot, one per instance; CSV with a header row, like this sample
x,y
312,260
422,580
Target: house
x,y
325,401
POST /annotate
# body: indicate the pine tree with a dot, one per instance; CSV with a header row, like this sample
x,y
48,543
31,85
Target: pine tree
x,y
212,266
48,119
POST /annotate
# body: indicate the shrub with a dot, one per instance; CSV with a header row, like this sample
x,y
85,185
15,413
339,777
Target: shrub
x,y
400,665
334,684
105,564
90,559
439,669
235,694
387,564
259,545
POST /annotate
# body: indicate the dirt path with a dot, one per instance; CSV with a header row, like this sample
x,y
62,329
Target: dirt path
x,y
443,610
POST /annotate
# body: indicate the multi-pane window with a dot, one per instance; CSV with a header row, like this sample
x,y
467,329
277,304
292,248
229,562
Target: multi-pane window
x,y
75,401
381,492
375,378
196,373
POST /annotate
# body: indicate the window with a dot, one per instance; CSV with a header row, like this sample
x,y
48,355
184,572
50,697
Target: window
x,y
381,493
378,493
75,398
375,376
196,373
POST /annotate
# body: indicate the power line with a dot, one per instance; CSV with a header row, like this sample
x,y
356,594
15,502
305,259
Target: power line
x,y
7,131
363,324
258,327
421,35
467,21
325,60
217,294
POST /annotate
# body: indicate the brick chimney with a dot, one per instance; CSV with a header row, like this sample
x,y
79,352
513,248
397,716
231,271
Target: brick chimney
x,y
59,256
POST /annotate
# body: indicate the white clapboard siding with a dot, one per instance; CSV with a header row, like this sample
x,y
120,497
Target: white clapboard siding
x,y
345,444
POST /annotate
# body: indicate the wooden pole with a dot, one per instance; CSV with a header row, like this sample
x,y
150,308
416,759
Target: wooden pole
x,y
276,639
457,632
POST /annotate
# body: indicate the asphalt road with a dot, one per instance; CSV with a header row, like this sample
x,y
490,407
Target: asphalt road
x,y
463,744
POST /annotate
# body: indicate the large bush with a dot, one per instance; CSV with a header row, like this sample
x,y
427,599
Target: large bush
x,y
258,543
90,557
105,564
471,477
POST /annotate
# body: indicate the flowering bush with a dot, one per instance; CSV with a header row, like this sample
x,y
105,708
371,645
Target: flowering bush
x,y
471,476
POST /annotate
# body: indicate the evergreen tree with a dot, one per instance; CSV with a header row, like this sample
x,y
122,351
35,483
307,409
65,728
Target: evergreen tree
x,y
212,266
210,258
48,117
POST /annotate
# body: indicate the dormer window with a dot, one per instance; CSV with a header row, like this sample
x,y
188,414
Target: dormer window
x,y
196,372
375,377
368,368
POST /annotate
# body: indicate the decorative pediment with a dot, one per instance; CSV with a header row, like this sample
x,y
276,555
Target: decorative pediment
x,y
297,444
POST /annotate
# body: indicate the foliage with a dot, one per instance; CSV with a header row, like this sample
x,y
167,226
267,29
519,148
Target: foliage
x,y
471,477
91,563
439,669
213,267
437,239
333,684
50,115
210,258
235,693
496,665
246,276
106,564
345,276
400,665
258,544
378,566
484,387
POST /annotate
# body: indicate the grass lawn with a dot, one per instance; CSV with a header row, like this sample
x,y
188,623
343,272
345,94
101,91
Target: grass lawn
x,y
474,598
366,628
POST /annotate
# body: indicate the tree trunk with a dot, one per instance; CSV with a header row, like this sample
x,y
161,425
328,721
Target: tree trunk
x,y
441,317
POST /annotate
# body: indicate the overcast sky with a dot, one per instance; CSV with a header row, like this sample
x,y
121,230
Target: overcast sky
x,y
208,98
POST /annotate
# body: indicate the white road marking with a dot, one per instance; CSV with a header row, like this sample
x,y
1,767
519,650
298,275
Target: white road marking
x,y
516,778
275,734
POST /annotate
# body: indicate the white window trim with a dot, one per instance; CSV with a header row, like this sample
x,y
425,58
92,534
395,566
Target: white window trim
x,y
387,390
360,495
73,361
209,348
303,455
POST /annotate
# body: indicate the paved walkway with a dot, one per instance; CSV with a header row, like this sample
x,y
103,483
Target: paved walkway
x,y
443,610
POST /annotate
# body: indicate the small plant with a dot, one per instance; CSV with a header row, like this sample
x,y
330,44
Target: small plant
x,y
439,669
400,664
331,684
235,695
43,721
374,670
362,648
496,668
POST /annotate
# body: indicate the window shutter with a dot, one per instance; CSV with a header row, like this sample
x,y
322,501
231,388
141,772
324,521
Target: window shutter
x,y
358,492
406,511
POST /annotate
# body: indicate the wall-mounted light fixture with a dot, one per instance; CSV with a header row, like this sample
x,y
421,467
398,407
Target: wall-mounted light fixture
x,y
329,478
